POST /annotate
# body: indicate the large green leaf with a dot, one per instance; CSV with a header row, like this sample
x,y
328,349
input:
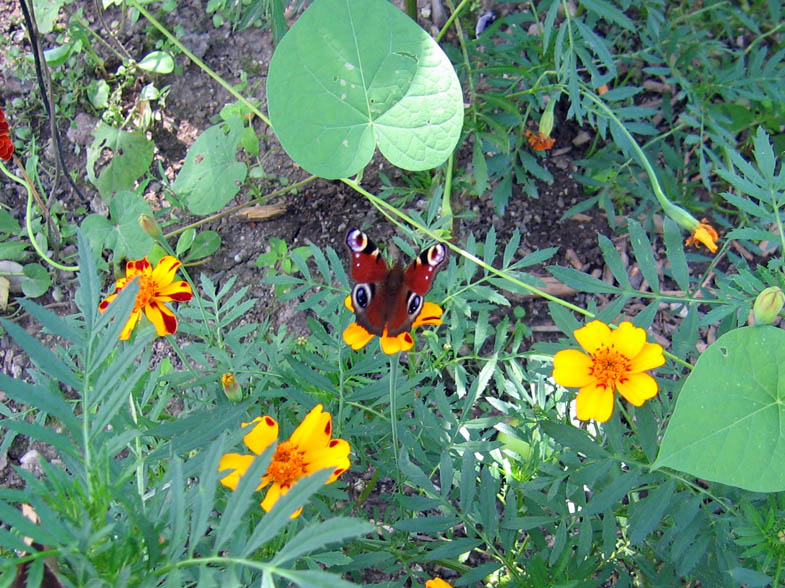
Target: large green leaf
x,y
131,156
211,174
122,234
727,425
353,74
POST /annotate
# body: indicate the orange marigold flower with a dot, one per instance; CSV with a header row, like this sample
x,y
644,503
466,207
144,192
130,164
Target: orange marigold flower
x,y
156,287
538,141
309,449
704,233
437,583
357,337
613,360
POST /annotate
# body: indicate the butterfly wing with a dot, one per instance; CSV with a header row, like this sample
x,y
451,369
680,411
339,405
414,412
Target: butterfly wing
x,y
370,271
416,283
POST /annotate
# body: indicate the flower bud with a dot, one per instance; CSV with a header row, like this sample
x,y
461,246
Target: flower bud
x,y
231,387
150,226
768,305
546,120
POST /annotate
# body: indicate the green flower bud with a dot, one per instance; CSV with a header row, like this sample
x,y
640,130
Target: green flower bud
x,y
768,305
546,120
150,226
231,387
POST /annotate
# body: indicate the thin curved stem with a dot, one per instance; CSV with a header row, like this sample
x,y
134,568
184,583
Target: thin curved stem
x,y
29,222
176,42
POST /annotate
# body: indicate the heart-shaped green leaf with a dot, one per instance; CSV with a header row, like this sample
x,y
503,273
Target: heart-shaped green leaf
x,y
211,174
122,234
727,425
354,74
131,156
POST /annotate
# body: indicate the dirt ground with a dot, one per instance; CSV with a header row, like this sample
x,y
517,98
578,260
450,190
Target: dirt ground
x,y
320,213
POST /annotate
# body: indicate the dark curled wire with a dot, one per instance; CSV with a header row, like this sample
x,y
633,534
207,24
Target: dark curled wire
x,y
33,35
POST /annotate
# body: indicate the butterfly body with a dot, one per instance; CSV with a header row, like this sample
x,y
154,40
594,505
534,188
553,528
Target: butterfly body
x,y
389,299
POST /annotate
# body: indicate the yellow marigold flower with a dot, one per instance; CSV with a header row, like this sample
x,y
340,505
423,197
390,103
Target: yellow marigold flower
x,y
357,337
704,233
156,287
309,449
539,141
614,360
437,583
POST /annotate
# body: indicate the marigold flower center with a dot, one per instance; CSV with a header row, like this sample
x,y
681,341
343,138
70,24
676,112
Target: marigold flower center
x,y
146,293
287,465
609,367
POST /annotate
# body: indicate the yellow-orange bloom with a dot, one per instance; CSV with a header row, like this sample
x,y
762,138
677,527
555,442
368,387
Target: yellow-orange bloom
x,y
437,583
156,287
357,337
704,233
614,360
310,448
539,141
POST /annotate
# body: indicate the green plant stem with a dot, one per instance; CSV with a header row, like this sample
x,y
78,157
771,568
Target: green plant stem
x,y
454,13
176,42
29,223
446,199
411,9
178,350
138,448
239,207
168,248
677,213
394,413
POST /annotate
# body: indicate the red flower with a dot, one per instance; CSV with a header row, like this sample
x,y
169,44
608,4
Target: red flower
x,y
6,144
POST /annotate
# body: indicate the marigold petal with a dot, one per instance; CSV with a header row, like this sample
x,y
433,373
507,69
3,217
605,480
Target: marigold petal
x,y
239,462
638,388
162,318
572,368
429,315
104,304
437,583
594,402
135,267
175,292
705,234
130,324
335,455
262,435
650,357
164,272
273,494
393,345
628,339
314,432
356,336
593,335
347,302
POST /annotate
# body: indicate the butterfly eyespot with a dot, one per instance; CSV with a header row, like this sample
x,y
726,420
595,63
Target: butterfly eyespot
x,y
362,295
356,240
413,303
436,254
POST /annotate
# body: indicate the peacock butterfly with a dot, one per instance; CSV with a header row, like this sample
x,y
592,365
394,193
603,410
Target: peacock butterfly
x,y
389,298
